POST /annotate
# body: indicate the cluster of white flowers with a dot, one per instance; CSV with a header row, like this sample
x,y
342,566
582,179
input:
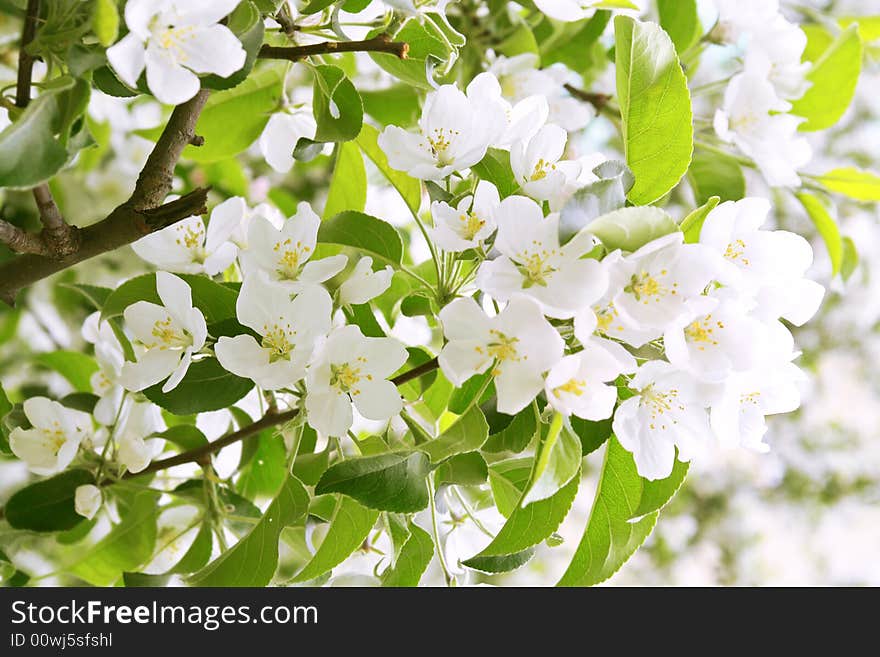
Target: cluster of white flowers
x,y
755,114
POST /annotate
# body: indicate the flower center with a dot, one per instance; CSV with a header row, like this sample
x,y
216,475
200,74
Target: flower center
x,y
750,398
541,170
659,403
194,240
172,39
291,257
345,377
440,139
471,224
644,284
534,267
703,331
572,387
501,348
168,336
735,251
275,339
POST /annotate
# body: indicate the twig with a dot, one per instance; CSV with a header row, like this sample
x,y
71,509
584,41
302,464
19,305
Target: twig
x,y
381,43
60,238
597,100
19,240
270,419
138,216
25,61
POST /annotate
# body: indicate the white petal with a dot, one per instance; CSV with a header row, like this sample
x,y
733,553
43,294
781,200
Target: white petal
x,y
127,57
168,81
153,367
378,400
329,412
213,49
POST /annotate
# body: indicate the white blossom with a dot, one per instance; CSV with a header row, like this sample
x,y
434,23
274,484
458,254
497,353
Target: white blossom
x,y
364,284
54,438
533,263
281,135
518,344
167,336
87,500
350,368
288,331
175,40
469,224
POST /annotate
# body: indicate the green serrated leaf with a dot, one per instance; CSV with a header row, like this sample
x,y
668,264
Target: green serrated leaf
x,y
48,505
466,434
364,232
655,108
389,482
413,559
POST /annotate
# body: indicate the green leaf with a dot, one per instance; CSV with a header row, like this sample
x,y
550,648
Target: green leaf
x,y
36,146
466,434
395,481
185,436
48,505
266,467
592,434
847,266
869,26
234,118
714,174
469,469
508,479
529,525
834,76
680,20
348,187
408,187
692,225
349,526
610,537
630,228
516,436
129,544
856,183
827,227
198,554
426,44
74,366
557,460
465,395
596,199
253,560
396,105
656,493
95,295
573,43
413,560
80,401
206,386
364,232
5,407
216,301
105,22
338,109
495,167
500,564
655,108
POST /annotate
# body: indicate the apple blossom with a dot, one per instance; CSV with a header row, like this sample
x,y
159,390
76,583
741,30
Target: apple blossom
x,y
87,500
537,165
518,344
135,450
469,224
110,358
54,438
167,336
284,253
350,368
364,284
753,118
768,265
186,247
532,262
280,136
288,330
455,130
578,384
175,40
668,412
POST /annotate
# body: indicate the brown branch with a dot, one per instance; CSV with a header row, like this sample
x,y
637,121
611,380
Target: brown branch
x,y
416,372
20,240
60,238
25,61
381,43
140,215
199,454
597,100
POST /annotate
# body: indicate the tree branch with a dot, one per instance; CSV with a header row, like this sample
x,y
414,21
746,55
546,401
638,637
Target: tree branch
x,y
381,43
25,61
20,240
199,454
138,216
597,100
60,238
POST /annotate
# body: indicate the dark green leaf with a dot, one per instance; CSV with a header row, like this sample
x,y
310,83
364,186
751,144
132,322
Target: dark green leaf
x,y
364,232
339,111
413,560
48,505
389,482
205,387
466,434
500,564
